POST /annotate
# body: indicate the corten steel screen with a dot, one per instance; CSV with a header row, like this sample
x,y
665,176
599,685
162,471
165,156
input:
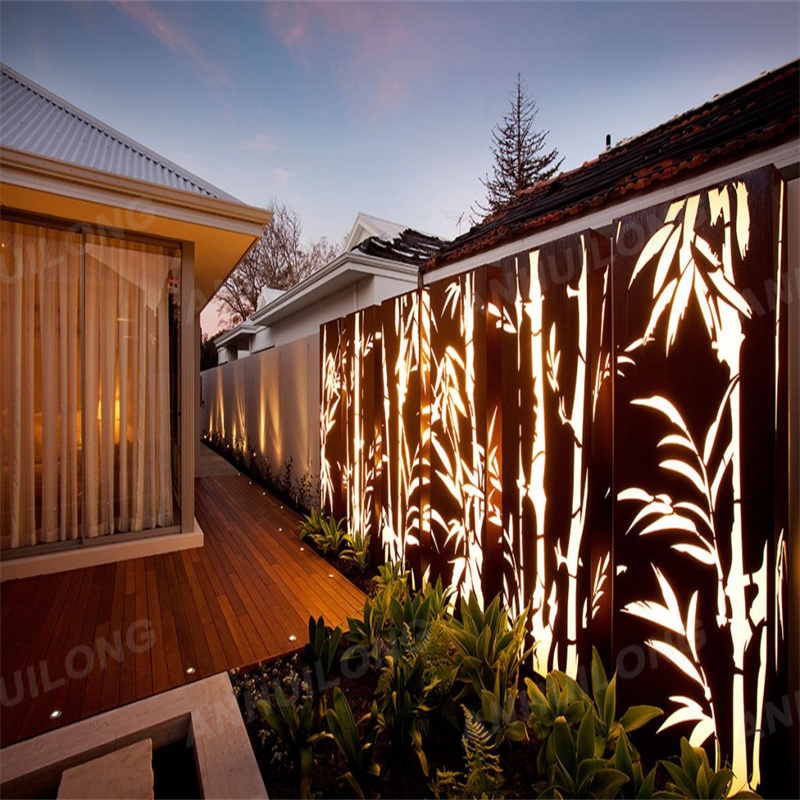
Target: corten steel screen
x,y
700,460
597,427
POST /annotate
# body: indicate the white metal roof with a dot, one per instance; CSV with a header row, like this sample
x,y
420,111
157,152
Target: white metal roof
x,y
35,120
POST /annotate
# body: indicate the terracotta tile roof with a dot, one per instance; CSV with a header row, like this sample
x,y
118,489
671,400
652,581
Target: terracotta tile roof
x,y
760,113
410,247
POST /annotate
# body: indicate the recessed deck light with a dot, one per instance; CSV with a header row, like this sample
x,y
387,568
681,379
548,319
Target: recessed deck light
x,y
292,637
330,574
55,713
190,670
302,548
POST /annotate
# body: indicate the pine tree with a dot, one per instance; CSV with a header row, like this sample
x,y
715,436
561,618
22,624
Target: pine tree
x,y
519,157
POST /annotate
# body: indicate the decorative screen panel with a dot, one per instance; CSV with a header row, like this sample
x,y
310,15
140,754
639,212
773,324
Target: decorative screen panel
x,y
350,422
505,419
405,425
699,531
463,469
556,435
333,417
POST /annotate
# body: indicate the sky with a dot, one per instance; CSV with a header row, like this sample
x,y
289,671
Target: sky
x,y
384,107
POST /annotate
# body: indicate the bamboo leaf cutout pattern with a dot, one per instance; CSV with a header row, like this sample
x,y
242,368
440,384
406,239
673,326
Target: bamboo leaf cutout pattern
x,y
684,265
690,711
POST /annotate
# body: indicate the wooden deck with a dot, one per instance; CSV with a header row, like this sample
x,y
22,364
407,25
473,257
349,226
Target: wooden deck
x,y
89,640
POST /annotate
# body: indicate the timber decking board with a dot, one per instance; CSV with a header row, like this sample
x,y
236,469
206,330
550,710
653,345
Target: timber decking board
x,y
228,604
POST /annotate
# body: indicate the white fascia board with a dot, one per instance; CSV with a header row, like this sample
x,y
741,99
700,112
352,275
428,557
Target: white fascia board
x,y
82,183
246,328
786,156
344,270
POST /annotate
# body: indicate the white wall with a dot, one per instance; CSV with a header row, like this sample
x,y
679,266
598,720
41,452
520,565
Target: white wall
x,y
272,398
369,291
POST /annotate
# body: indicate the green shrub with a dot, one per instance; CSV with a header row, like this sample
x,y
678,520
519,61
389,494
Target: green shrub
x,y
321,649
487,644
563,697
576,770
627,761
439,599
311,525
393,577
499,712
482,775
325,533
358,753
357,549
366,634
331,538
439,672
605,707
401,693
294,730
409,622
694,777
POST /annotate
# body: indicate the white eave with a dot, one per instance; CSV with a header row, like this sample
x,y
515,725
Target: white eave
x,y
345,270
247,328
60,177
222,230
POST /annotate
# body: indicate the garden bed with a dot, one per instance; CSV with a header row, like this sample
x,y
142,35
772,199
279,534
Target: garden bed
x,y
442,706
397,780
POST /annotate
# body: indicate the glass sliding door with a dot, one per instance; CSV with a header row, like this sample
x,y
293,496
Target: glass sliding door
x,y
87,386
127,460
40,389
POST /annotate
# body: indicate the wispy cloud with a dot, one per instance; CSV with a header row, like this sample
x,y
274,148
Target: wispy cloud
x,y
379,51
260,141
282,176
172,36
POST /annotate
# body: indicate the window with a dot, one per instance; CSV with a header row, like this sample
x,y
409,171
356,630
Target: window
x,y
88,404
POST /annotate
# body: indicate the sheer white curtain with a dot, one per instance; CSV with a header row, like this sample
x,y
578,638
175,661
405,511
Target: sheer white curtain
x,y
127,473
113,466
40,405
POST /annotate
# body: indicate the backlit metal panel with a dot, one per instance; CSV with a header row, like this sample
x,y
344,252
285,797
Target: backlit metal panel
x,y
699,451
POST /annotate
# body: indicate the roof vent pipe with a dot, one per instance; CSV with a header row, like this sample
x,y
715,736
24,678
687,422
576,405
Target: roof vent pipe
x,y
608,142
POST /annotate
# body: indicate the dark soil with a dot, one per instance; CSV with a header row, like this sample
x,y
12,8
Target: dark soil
x,y
363,580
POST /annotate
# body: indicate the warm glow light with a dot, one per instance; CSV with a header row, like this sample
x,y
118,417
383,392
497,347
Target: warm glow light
x,y
701,512
433,454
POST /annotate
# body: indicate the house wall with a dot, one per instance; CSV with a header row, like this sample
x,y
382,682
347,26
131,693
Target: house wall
x,y
270,399
361,294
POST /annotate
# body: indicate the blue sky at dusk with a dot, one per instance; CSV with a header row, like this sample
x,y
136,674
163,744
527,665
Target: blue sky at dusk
x,y
385,108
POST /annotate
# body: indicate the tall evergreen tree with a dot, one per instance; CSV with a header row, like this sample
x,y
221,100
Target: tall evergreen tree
x,y
520,159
